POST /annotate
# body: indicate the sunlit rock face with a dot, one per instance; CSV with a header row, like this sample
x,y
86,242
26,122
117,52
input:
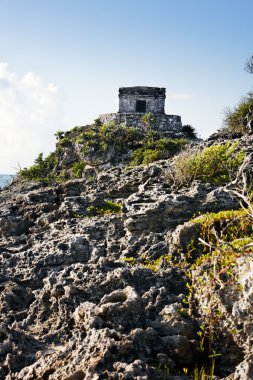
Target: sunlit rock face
x,y
88,296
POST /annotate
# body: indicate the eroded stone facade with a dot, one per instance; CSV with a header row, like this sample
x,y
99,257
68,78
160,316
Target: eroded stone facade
x,y
168,125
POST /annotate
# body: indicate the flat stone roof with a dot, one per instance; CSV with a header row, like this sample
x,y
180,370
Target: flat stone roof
x,y
143,90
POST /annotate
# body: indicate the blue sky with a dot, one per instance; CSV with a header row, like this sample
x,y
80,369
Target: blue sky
x,y
62,62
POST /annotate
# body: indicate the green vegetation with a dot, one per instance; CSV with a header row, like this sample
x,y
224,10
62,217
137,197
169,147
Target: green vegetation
x,y
107,207
64,141
226,233
236,119
148,121
59,134
239,222
145,262
216,164
77,169
109,139
157,150
239,120
99,143
225,237
42,168
189,132
203,373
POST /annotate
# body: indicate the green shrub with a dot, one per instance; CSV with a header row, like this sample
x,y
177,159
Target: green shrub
x,y
216,164
169,147
75,129
119,134
61,177
32,173
158,150
64,141
137,156
150,156
189,131
144,156
77,169
234,224
108,137
97,122
90,134
42,168
235,120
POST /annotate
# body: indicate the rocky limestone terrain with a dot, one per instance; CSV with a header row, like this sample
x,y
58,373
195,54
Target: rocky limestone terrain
x,y
102,295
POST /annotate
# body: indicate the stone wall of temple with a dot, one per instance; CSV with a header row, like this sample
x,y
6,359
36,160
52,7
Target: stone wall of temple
x,y
134,102
167,125
141,100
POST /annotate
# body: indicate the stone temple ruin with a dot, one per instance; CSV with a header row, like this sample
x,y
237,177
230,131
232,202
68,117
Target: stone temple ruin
x,y
136,101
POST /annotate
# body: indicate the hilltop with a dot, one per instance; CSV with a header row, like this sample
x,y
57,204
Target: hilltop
x,y
102,146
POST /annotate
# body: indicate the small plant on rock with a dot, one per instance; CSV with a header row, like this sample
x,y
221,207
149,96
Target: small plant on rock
x,y
77,169
107,207
148,120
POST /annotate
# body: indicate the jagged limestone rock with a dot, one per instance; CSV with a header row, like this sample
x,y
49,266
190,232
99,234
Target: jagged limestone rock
x,y
90,297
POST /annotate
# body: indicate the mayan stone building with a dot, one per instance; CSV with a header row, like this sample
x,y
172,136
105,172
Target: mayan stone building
x,y
141,100
134,102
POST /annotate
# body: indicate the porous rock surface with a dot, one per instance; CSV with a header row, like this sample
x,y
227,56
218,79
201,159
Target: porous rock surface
x,y
72,306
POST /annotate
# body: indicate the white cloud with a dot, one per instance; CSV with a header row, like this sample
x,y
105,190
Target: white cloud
x,y
30,112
